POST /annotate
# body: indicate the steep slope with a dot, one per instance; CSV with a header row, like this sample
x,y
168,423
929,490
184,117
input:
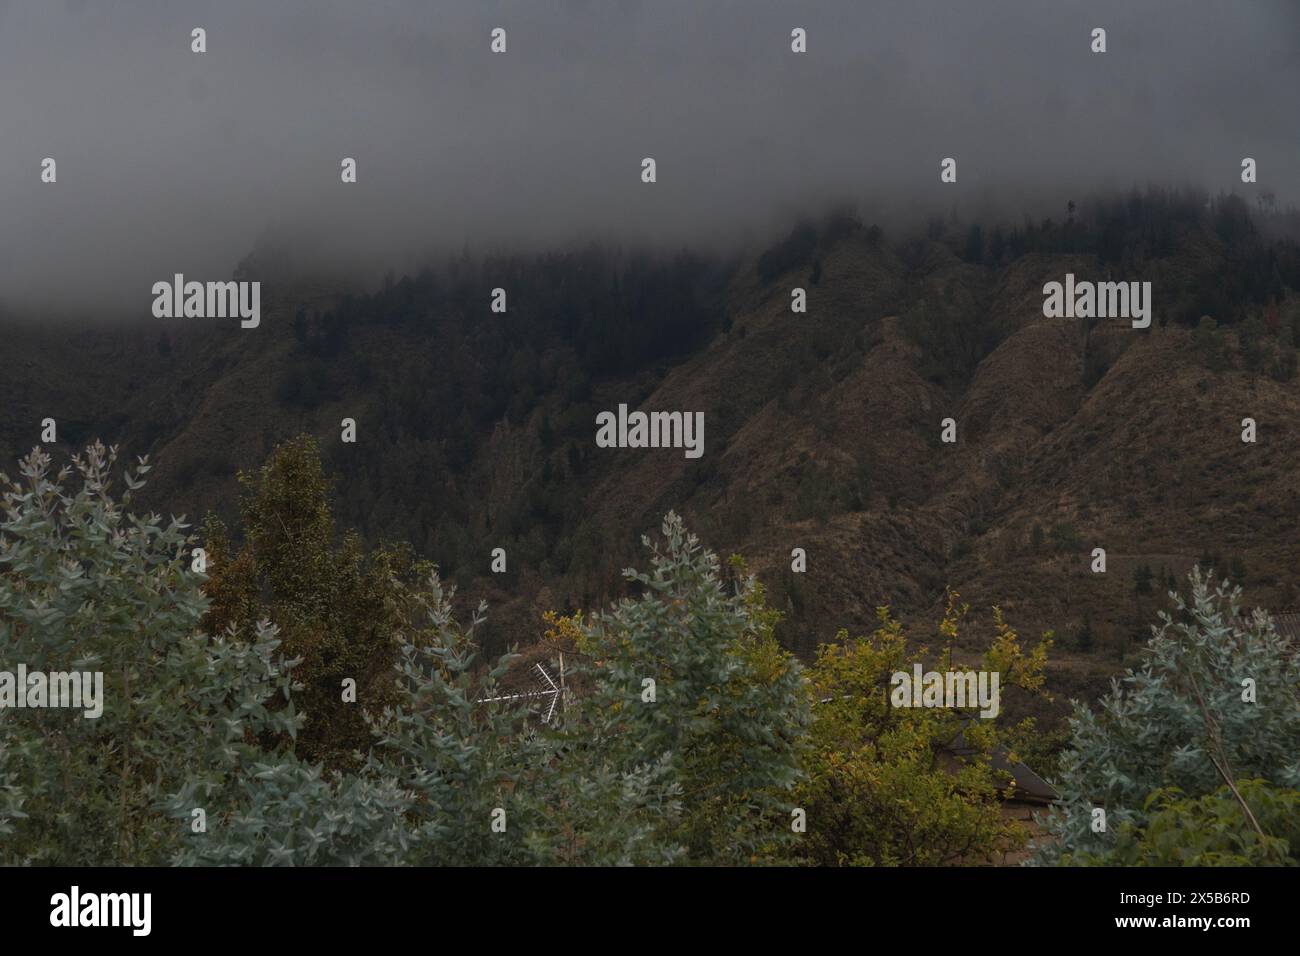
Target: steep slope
x,y
822,429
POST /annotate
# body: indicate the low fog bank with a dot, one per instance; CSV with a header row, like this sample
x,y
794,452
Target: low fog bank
x,y
173,161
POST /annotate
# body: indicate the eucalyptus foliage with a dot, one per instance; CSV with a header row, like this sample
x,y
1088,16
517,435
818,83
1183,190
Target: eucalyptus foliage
x,y
687,674
1216,701
86,586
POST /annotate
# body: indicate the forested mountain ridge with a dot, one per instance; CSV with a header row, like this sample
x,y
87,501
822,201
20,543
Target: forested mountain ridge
x,y
476,429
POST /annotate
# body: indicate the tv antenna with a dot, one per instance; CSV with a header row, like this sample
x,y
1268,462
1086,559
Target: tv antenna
x,y
547,689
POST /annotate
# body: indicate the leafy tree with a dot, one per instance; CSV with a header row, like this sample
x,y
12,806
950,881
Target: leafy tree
x,y
1212,830
567,801
86,586
878,789
729,709
1214,704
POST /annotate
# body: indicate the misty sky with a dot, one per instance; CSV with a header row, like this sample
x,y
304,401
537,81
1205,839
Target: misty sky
x,y
171,161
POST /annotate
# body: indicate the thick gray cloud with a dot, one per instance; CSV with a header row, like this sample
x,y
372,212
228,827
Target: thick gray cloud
x,y
173,161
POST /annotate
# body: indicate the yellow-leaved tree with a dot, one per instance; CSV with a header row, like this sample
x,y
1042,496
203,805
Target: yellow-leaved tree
x,y
883,786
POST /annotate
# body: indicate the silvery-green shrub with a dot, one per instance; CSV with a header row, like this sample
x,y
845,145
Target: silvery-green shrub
x,y
730,709
1167,723
86,586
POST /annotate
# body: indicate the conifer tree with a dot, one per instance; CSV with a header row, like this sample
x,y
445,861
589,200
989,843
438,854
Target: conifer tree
x,y
336,605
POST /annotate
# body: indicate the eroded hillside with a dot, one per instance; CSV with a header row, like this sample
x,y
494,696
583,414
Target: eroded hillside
x,y
476,429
